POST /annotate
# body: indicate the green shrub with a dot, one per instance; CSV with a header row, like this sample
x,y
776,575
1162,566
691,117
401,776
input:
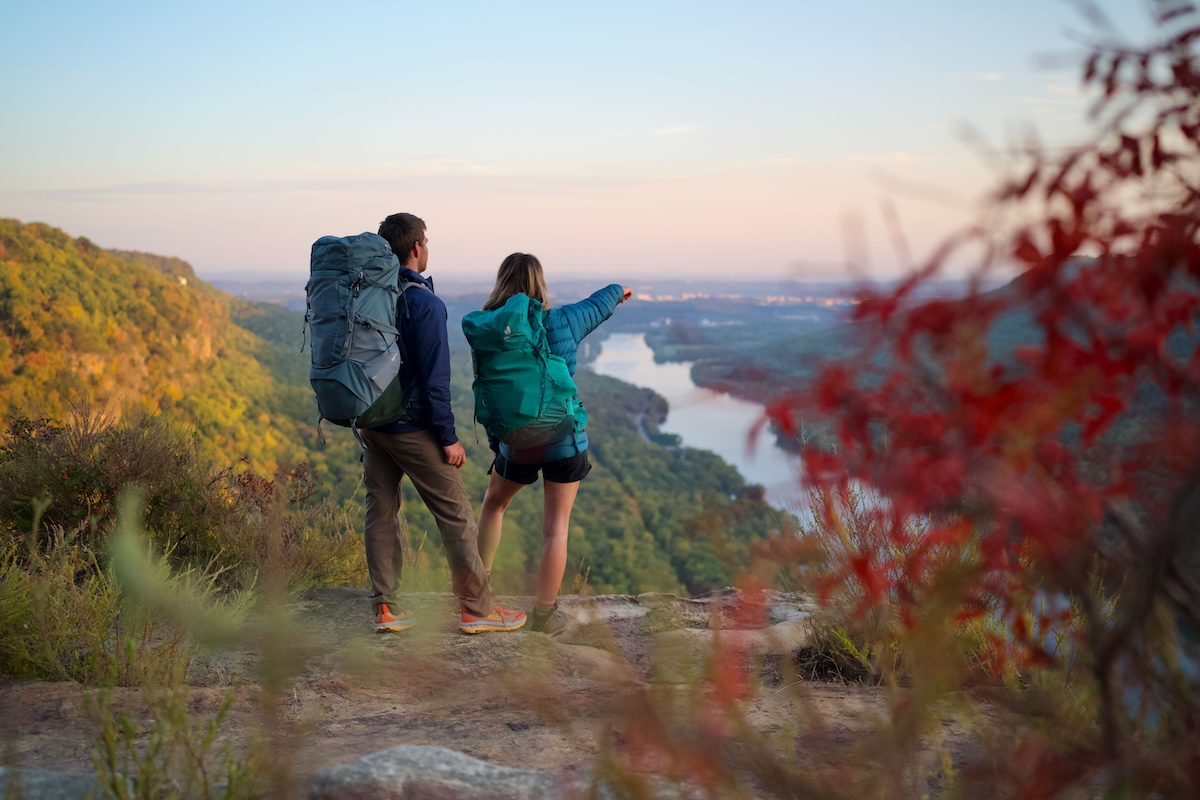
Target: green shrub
x,y
75,470
281,525
230,522
837,652
64,619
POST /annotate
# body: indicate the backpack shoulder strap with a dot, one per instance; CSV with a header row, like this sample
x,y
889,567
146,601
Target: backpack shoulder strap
x,y
405,285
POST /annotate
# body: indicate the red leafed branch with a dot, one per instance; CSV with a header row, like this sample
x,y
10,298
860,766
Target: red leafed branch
x,y
1045,438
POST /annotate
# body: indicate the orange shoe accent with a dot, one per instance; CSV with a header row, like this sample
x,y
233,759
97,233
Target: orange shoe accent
x,y
386,621
501,619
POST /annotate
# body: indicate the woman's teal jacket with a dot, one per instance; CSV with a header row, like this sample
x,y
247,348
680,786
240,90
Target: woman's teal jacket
x,y
566,327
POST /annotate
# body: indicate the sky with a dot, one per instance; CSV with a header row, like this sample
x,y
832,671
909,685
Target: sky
x,y
622,140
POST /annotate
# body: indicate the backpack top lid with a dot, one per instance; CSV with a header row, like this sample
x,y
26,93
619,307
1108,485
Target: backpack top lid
x,y
516,325
367,253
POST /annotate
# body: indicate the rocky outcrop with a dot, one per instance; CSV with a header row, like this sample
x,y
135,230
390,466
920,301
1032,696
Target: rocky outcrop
x,y
44,784
436,773
534,712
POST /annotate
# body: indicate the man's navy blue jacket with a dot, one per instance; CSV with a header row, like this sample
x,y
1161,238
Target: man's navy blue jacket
x,y
425,351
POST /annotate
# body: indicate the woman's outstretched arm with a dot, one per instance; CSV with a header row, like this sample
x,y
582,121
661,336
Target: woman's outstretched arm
x,y
586,315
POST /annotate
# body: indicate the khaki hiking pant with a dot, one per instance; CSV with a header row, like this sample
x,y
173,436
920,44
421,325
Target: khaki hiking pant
x,y
388,458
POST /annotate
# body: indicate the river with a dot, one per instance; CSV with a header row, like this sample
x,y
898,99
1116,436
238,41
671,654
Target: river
x,y
702,418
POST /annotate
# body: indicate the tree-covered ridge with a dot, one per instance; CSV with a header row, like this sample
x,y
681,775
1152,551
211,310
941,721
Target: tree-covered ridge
x,y
79,322
167,265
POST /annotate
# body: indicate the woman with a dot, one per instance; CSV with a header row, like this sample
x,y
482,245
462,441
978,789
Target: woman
x,y
562,464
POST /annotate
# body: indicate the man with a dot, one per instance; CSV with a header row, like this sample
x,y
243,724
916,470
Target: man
x,y
427,450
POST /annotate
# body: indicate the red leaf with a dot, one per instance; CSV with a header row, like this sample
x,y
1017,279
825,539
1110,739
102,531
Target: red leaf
x,y
1027,252
871,580
1089,69
1110,407
782,413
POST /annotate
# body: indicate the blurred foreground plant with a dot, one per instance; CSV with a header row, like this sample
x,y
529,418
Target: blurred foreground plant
x,y
1036,452
177,755
180,757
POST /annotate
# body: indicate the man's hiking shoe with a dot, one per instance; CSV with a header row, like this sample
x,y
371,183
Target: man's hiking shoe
x,y
386,621
549,621
501,619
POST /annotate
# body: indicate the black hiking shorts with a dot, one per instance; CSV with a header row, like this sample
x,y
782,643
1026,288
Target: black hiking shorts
x,y
567,470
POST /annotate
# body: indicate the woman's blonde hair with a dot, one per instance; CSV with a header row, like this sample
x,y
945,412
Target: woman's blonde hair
x,y
520,273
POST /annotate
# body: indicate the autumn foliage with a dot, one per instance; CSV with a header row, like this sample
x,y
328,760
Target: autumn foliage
x,y
1048,493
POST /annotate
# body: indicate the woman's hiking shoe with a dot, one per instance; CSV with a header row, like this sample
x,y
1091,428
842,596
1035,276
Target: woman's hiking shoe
x,y
501,619
386,621
549,621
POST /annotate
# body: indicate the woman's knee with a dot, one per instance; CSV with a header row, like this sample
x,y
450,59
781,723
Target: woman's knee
x,y
552,530
495,505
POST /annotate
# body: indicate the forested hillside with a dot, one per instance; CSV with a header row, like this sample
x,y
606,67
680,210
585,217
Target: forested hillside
x,y
81,325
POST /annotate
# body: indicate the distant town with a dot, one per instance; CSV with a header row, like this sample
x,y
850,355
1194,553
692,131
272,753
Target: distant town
x,y
767,300
289,292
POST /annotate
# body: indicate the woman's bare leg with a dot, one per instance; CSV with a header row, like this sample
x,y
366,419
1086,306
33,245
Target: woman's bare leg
x,y
496,499
556,518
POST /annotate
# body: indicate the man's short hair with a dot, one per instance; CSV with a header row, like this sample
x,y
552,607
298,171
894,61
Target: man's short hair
x,y
403,232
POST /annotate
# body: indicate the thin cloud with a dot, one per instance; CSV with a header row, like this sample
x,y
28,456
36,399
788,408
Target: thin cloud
x,y
1062,88
512,184
453,166
896,156
990,76
673,130
1058,101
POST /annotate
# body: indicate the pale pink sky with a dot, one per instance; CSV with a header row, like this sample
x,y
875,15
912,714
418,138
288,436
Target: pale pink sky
x,y
638,139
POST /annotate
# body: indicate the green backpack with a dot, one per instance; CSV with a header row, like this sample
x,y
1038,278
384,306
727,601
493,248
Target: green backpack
x,y
524,394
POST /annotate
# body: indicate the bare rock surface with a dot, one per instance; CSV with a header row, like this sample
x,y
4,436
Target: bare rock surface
x,y
407,772
519,700
35,784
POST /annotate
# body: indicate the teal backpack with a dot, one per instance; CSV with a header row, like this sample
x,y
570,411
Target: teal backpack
x,y
524,394
353,286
